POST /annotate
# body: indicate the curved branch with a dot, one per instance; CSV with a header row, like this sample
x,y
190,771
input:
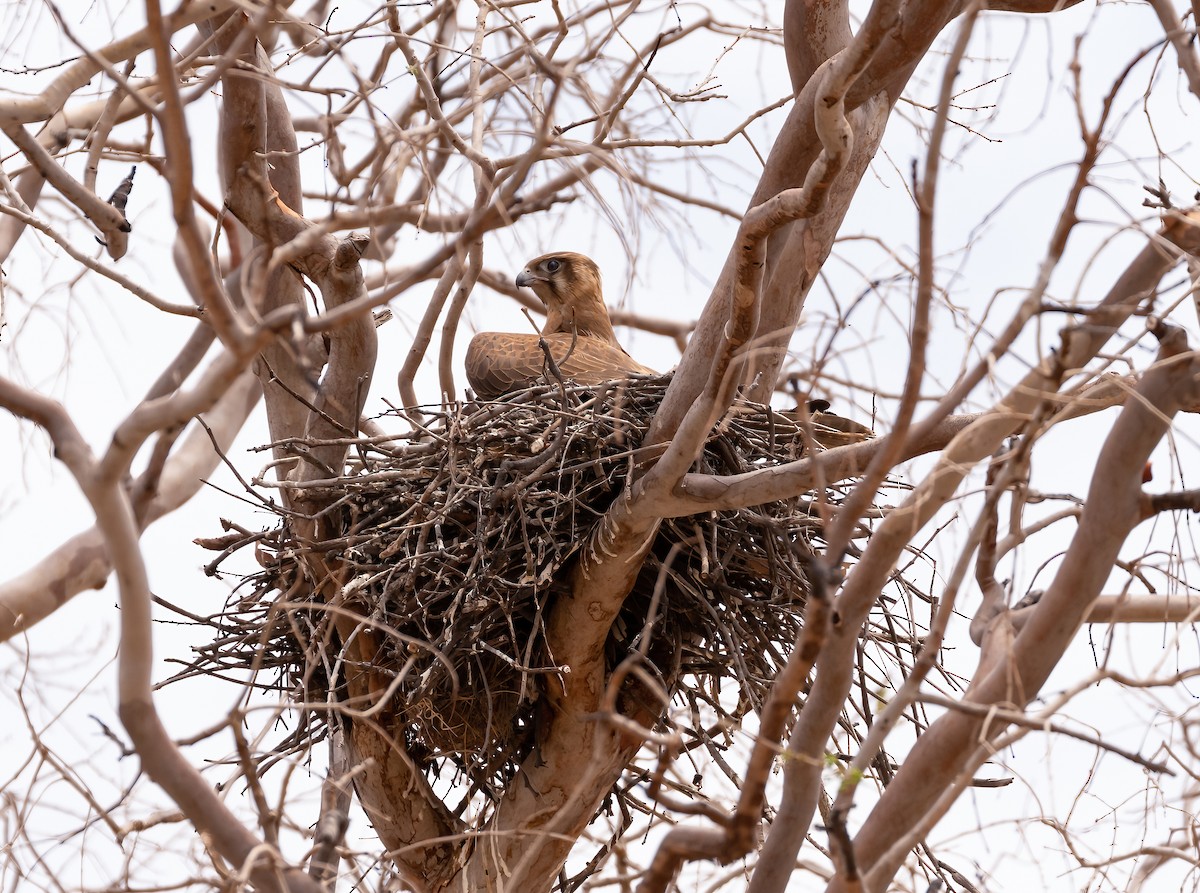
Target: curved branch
x,y
160,758
83,562
77,75
706,492
869,575
1111,511
111,222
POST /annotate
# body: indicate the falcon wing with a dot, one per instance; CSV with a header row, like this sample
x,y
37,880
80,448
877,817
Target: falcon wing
x,y
832,430
828,429
592,360
500,362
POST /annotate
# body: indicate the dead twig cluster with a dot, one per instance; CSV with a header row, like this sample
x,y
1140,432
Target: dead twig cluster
x,y
451,542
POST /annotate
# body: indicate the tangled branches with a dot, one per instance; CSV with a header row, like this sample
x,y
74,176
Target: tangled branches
x,y
452,540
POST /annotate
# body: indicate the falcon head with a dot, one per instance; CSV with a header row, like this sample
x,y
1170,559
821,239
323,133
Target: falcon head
x,y
569,286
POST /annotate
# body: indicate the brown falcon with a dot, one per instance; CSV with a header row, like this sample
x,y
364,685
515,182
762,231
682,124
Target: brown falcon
x,y
828,428
577,331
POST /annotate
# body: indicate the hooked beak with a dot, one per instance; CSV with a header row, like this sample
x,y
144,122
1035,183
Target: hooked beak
x,y
525,278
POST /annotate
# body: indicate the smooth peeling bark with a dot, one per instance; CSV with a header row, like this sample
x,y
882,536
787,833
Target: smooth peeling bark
x,y
1112,509
420,834
797,253
579,756
301,403
254,122
827,696
798,249
813,30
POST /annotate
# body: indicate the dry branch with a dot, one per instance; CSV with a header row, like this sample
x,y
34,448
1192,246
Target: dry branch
x,y
1112,509
160,757
82,562
454,544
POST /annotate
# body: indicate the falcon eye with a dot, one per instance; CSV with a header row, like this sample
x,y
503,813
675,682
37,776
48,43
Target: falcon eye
x,y
553,265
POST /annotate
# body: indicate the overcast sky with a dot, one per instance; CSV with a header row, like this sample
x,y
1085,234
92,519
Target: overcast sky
x,y
96,349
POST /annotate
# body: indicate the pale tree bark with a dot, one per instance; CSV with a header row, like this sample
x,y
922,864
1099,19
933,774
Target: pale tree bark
x,y
87,559
83,562
975,443
1115,505
314,369
100,479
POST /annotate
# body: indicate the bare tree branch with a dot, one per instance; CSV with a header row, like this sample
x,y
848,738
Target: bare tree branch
x,y
160,757
82,562
1110,512
865,581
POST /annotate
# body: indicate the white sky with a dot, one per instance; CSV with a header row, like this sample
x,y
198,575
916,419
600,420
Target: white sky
x,y
97,349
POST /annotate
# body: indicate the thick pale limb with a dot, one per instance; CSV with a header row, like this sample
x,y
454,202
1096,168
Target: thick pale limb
x,y
407,814
102,483
1112,509
83,562
580,757
14,111
826,699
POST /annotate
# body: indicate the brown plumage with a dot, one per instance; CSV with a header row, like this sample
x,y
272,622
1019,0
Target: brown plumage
x,y
829,429
577,331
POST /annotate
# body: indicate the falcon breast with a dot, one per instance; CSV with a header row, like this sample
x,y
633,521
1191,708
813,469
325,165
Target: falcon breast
x,y
578,333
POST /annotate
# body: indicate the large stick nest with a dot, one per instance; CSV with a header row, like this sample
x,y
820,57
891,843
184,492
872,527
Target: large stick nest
x,y
454,541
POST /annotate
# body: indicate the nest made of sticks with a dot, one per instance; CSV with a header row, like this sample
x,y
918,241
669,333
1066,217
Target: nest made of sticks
x,y
458,536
